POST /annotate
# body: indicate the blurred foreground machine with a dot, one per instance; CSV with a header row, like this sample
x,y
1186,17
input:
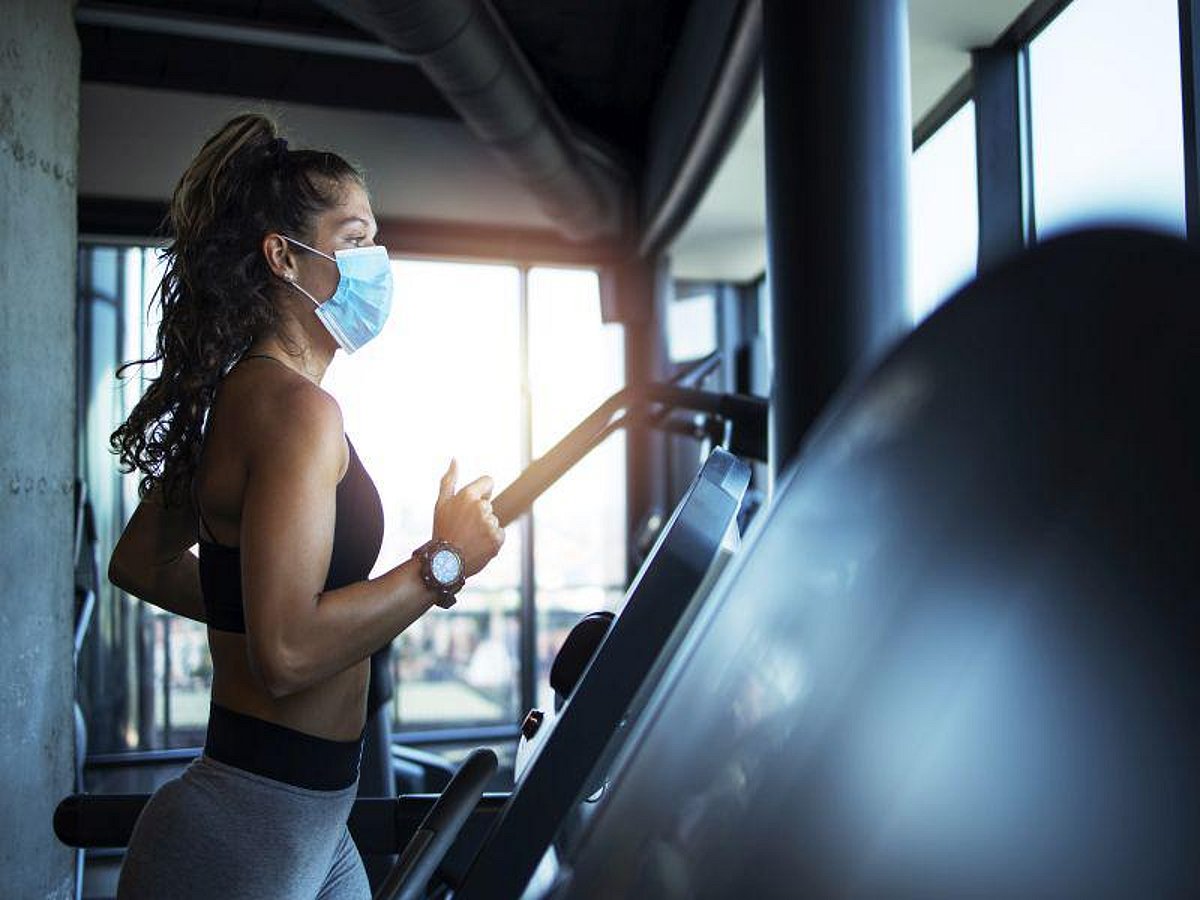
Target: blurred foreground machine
x,y
959,654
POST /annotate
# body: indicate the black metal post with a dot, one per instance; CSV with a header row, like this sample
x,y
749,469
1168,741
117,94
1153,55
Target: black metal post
x,y
1000,150
643,293
144,661
836,95
1189,67
166,682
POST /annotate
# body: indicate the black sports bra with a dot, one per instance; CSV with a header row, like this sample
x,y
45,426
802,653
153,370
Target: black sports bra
x,y
357,537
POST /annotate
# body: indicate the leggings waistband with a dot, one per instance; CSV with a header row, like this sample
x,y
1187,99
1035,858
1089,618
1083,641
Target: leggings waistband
x,y
282,753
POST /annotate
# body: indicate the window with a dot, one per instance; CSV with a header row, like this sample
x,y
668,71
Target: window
x,y
108,701
442,381
575,363
145,675
944,214
691,327
1106,109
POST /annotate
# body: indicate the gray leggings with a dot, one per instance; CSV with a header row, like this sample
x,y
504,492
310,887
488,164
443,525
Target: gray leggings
x,y
218,831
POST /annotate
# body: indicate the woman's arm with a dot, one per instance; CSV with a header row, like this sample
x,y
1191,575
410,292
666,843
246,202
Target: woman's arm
x,y
298,635
151,560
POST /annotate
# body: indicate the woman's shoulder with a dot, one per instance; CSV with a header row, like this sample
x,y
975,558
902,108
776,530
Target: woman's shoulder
x,y
275,405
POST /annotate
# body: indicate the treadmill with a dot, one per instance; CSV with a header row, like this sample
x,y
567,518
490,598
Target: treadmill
x,y
693,546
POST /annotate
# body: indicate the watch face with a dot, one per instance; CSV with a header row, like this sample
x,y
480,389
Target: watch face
x,y
445,566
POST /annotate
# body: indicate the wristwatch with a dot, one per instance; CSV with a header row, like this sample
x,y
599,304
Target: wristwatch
x,y
442,570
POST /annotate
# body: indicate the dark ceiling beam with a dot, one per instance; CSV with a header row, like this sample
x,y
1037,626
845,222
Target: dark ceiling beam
x,y
156,20
140,58
141,221
494,243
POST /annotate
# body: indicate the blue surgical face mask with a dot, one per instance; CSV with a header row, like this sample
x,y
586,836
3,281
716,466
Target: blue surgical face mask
x,y
360,305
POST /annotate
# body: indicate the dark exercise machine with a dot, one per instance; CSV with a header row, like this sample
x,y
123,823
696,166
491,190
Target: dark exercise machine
x,y
659,604
656,605
960,654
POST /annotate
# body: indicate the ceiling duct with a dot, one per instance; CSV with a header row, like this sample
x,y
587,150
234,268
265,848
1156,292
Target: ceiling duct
x,y
468,54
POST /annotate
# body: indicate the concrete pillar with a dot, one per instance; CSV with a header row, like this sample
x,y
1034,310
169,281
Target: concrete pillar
x,y
39,100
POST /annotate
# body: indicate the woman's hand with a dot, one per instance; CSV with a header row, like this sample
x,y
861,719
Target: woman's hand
x,y
465,519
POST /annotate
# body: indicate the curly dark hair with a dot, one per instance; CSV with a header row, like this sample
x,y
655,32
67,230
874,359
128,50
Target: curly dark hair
x,y
243,184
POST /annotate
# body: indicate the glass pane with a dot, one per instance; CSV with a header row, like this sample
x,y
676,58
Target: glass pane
x,y
691,327
108,673
1107,116
105,262
182,691
944,213
104,683
575,363
459,666
443,380
103,415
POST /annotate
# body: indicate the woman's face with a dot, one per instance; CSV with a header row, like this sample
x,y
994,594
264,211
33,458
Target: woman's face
x,y
347,224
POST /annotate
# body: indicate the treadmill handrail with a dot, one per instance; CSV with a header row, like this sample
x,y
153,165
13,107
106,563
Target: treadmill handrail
x,y
749,413
694,372
378,825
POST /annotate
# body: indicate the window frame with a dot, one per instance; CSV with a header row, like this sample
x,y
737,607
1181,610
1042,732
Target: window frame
x,y
998,121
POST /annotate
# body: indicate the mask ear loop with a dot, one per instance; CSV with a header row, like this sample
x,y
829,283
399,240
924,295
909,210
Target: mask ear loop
x,y
291,279
306,247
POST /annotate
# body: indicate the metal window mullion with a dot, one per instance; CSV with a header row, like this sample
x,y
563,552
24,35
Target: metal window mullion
x,y
1000,153
528,610
1189,70
166,682
104,597
144,619
1024,95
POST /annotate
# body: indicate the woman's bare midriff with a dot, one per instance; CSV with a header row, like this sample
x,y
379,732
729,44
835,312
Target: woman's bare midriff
x,y
334,708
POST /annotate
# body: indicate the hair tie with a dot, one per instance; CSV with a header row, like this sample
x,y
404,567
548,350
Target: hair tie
x,y
278,150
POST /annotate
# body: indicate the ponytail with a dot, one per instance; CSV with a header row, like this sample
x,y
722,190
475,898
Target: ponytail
x,y
214,294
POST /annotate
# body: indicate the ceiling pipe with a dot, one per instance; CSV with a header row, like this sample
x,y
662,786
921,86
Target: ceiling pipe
x,y
717,127
468,54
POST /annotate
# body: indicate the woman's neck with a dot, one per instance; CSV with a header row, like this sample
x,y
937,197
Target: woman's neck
x,y
295,350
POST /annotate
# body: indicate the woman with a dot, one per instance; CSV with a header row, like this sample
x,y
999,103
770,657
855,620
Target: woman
x,y
271,269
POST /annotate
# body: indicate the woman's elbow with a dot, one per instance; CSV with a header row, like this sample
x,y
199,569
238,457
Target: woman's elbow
x,y
122,574
278,670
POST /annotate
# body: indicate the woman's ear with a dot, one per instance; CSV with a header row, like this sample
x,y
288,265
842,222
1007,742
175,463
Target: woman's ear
x,y
279,256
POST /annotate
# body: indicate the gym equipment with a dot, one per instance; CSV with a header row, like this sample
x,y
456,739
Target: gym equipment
x,y
959,654
576,652
437,831
572,658
738,422
657,609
